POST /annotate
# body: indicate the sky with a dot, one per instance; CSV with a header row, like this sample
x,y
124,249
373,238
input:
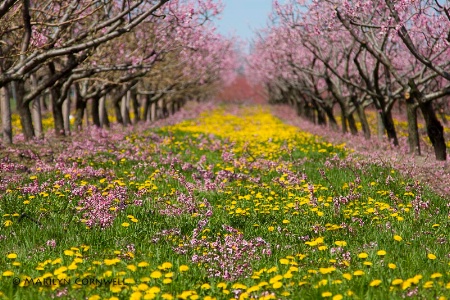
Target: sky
x,y
242,17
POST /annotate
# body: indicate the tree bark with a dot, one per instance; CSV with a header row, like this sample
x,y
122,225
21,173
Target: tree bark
x,y
36,113
332,120
380,126
435,130
66,114
388,122
145,114
352,124
343,119
104,120
135,104
153,110
413,130
6,115
57,110
362,118
24,111
95,104
80,107
117,111
124,109
165,111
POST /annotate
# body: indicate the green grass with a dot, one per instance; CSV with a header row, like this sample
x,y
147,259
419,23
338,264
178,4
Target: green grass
x,y
262,203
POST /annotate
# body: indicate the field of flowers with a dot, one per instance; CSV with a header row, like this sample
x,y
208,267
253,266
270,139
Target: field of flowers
x,y
234,204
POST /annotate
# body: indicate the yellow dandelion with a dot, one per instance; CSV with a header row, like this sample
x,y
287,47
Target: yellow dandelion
x,y
436,275
338,297
110,262
277,285
222,285
136,296
431,256
166,265
284,261
326,294
340,243
57,261
125,224
392,266
397,281
7,273
129,281
347,276
143,264
375,282
381,253
363,255
115,288
12,256
156,274
183,268
358,273
132,268
154,290
205,286
327,270
398,238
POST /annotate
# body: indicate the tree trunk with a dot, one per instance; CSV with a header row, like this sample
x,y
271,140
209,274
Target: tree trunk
x,y
172,107
380,126
300,109
135,104
390,127
80,107
435,130
117,111
321,119
66,114
165,111
24,111
36,113
44,106
124,109
104,120
95,111
343,119
153,110
332,120
413,130
352,124
6,115
145,114
57,110
362,118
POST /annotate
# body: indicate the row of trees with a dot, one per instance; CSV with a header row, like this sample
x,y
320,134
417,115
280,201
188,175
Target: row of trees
x,y
356,54
146,55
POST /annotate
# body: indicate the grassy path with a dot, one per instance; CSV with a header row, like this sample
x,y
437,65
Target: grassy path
x,y
234,204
